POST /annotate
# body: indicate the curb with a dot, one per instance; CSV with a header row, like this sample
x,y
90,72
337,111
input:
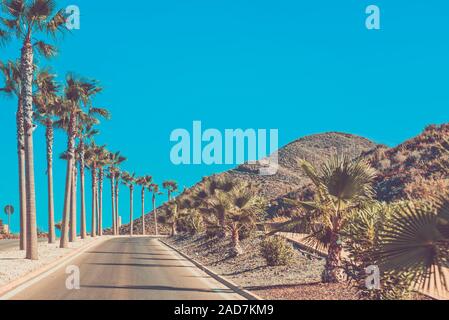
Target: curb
x,y
14,284
244,293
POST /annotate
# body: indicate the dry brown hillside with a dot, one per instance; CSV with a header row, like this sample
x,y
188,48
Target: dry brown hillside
x,y
413,169
316,149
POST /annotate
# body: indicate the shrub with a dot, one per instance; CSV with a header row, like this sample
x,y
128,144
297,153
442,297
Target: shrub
x,y
400,158
276,251
213,232
247,232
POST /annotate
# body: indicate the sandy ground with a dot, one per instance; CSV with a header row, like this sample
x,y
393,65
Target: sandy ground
x,y
13,265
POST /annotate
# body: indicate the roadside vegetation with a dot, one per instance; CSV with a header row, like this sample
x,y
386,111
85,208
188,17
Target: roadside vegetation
x,y
347,214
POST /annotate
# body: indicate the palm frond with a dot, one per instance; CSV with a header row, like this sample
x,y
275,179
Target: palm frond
x,y
45,49
15,8
57,23
40,10
412,243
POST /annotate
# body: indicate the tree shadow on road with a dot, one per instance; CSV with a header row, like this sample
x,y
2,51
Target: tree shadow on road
x,y
157,288
127,253
138,265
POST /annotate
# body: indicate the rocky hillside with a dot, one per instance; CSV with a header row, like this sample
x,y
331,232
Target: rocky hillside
x,y
315,149
414,169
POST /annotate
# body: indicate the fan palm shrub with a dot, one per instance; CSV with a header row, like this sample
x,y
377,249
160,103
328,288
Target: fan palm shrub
x,y
241,207
342,186
204,196
408,241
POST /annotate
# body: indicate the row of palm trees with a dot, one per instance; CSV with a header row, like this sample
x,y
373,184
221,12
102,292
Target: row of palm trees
x,y
69,107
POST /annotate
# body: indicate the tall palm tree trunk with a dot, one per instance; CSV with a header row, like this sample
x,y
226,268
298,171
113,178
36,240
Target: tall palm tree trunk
x,y
114,230
117,214
83,190
131,208
26,75
143,210
51,210
94,201
64,242
97,209
155,216
72,237
100,205
22,179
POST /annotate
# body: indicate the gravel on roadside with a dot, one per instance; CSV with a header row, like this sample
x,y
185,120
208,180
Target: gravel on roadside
x,y
13,264
298,281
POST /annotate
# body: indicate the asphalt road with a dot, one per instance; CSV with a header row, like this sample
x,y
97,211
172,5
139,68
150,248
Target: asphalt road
x,y
130,269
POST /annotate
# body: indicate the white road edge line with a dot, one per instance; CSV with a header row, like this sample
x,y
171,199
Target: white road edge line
x,y
211,282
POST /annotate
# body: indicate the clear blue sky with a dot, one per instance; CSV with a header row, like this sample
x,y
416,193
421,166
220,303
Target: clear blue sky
x,y
302,67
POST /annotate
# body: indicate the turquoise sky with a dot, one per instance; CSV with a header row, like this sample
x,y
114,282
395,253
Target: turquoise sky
x,y
302,67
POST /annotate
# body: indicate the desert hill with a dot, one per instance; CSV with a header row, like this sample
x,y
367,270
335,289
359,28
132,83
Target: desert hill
x,y
413,169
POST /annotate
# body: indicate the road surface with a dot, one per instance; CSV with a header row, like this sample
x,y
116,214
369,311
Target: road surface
x,y
130,268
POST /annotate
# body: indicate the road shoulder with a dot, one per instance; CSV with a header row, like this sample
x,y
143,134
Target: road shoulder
x,y
34,271
233,286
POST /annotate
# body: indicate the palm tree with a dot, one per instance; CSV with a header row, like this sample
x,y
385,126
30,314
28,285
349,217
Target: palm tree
x,y
170,186
241,207
129,180
342,186
73,202
103,161
154,189
77,100
86,132
144,182
25,19
11,74
48,106
118,179
94,156
115,159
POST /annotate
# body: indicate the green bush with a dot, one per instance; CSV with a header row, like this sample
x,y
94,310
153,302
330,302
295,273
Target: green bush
x,y
277,251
